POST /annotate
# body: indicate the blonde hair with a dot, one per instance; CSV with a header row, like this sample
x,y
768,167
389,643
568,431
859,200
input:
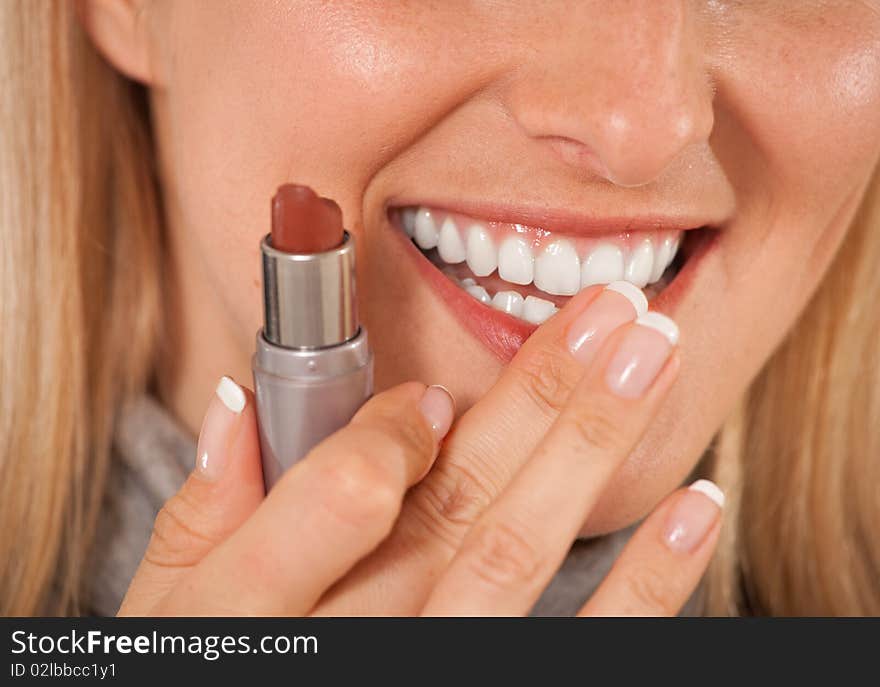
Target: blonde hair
x,y
79,316
801,454
79,293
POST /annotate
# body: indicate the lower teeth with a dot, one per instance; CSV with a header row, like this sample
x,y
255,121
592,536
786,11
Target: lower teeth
x,y
532,309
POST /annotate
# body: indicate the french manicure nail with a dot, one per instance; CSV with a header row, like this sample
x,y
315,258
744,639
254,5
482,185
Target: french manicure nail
x,y
641,355
438,408
695,514
632,293
231,394
224,408
619,303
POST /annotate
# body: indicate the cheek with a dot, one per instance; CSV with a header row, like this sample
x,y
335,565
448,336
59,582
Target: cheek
x,y
806,100
301,91
323,94
798,134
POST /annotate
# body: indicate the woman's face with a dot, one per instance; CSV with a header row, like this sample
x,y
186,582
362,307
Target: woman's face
x,y
581,131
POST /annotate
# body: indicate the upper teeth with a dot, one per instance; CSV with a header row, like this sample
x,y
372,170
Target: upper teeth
x,y
425,230
482,256
515,261
640,264
603,265
556,269
449,243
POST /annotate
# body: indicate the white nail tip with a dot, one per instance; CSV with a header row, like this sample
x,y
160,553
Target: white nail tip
x,y
231,394
632,293
660,323
709,489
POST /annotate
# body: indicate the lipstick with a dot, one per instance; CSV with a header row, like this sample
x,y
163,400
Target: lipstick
x,y
313,367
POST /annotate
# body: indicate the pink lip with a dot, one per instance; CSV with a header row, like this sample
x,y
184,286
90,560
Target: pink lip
x,y
564,222
504,334
501,333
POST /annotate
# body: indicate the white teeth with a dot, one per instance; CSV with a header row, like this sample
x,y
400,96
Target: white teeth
x,y
663,257
603,266
516,263
449,244
479,293
425,231
482,257
558,269
640,264
508,301
536,310
408,219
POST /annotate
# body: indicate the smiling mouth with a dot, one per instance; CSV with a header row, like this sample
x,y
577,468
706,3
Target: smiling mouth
x,y
529,272
503,279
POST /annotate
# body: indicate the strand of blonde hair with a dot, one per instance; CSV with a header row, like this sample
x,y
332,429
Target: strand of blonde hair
x,y
79,294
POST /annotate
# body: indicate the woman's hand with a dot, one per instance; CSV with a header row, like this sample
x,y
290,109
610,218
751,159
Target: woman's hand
x,y
482,532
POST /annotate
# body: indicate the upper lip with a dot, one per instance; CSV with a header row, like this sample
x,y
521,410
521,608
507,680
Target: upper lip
x,y
563,220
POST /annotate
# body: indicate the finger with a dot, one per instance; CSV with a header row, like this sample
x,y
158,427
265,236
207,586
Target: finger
x,y
488,445
495,437
329,510
223,490
663,562
514,549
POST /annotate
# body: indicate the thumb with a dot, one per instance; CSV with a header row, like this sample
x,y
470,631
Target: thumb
x,y
223,490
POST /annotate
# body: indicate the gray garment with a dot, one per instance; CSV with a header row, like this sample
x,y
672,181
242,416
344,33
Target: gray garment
x,y
152,457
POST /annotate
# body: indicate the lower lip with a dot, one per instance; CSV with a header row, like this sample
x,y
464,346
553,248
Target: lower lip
x,y
504,334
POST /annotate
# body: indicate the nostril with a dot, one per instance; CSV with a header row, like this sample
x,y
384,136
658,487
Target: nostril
x,y
626,151
577,154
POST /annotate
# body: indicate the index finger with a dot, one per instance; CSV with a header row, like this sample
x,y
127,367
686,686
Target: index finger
x,y
515,548
487,447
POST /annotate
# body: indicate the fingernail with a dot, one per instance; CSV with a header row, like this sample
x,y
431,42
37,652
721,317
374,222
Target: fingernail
x,y
231,394
693,516
438,408
641,355
223,410
620,302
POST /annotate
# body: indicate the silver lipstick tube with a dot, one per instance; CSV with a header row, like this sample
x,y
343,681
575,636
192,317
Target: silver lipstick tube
x,y
313,367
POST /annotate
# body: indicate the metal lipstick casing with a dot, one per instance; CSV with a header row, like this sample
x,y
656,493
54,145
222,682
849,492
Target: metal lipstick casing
x,y
313,368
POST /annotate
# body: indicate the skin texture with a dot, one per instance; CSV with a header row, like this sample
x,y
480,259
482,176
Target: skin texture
x,y
764,114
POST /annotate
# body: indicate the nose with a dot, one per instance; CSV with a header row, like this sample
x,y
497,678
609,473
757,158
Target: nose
x,y
619,89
